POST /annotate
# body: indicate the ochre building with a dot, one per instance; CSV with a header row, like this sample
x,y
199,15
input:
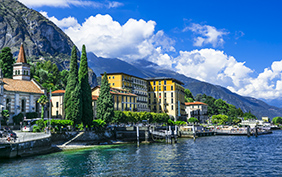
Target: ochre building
x,y
132,84
166,95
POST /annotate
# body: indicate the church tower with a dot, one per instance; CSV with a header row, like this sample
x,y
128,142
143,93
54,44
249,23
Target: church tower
x,y
21,69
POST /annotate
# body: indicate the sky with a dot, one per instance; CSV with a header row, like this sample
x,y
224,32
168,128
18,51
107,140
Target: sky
x,y
234,44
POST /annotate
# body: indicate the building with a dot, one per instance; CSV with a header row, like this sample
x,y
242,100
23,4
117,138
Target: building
x,y
94,105
166,95
57,102
132,84
123,100
20,94
198,110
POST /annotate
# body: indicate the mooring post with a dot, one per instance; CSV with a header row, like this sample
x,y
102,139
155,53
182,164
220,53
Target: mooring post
x,y
256,131
137,130
194,133
248,131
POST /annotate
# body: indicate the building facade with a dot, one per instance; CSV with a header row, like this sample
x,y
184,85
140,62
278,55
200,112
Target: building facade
x,y
57,103
123,100
198,110
132,84
20,94
166,95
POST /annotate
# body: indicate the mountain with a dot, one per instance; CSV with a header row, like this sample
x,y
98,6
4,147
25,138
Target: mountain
x,y
144,69
42,39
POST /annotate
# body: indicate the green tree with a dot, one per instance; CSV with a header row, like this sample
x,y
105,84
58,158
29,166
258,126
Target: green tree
x,y
188,96
277,120
86,96
222,106
6,62
105,107
72,98
5,113
249,115
219,119
42,101
193,120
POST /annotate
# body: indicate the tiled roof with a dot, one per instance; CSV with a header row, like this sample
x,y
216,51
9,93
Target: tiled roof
x,y
21,56
58,91
116,91
195,103
94,97
21,86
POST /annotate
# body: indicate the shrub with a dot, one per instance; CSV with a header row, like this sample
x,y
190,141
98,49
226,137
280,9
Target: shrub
x,y
31,115
18,118
36,129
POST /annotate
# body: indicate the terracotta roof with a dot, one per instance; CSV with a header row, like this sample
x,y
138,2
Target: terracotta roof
x,y
21,86
195,103
94,97
116,91
58,91
21,56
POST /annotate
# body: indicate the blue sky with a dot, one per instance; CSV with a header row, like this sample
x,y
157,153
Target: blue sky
x,y
235,44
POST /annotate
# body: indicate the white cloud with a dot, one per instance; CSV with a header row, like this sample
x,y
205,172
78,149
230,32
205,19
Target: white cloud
x,y
136,39
68,3
64,23
206,35
215,67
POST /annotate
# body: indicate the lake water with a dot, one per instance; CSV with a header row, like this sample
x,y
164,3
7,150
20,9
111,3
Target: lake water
x,y
207,156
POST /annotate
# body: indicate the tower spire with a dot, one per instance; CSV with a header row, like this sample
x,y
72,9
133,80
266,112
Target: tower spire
x,y
21,56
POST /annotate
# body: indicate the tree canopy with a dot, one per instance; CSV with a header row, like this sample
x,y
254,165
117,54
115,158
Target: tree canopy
x,y
6,62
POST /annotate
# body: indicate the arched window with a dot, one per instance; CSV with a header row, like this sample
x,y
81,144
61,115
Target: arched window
x,y
36,106
16,72
19,72
23,105
8,104
26,73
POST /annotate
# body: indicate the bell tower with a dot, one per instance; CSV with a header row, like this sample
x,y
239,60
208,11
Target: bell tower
x,y
21,69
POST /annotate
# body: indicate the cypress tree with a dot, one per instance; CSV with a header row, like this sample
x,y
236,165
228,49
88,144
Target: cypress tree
x,y
6,63
72,99
86,96
105,106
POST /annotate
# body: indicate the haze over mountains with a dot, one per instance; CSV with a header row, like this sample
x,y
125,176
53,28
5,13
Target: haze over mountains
x,y
43,38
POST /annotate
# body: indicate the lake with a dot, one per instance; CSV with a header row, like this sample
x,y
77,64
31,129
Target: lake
x,y
207,156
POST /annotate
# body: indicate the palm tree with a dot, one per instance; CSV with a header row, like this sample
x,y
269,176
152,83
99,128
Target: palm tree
x,y
42,101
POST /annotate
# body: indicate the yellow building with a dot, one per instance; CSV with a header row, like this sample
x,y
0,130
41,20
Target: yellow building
x,y
166,95
57,101
123,100
132,84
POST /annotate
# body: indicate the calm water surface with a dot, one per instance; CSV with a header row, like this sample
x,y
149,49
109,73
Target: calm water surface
x,y
207,156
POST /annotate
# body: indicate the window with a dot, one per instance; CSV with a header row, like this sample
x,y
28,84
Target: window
x,y
57,104
19,72
57,113
154,88
160,95
171,94
171,87
164,88
154,82
160,82
36,106
113,84
109,77
159,88
113,77
171,107
171,100
164,82
164,94
8,104
23,105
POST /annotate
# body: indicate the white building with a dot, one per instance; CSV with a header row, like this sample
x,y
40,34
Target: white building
x,y
20,94
198,110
